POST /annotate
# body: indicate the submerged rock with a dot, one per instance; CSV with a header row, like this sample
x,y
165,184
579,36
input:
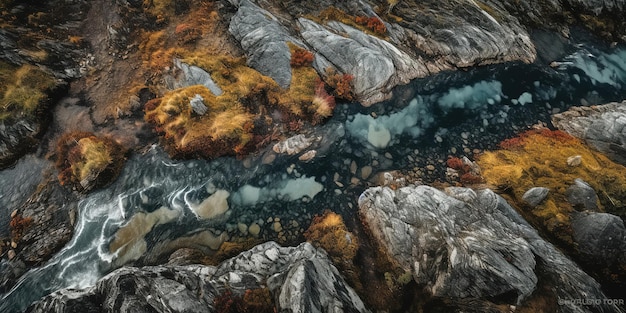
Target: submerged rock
x,y
480,248
301,279
293,145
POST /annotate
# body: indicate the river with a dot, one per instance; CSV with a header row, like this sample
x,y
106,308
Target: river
x,y
447,114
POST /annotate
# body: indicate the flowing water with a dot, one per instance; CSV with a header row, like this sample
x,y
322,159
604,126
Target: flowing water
x,y
425,121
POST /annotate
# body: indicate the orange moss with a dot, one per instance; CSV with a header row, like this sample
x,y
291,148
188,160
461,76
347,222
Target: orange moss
x,y
301,57
87,161
539,158
329,232
18,226
371,25
341,84
186,33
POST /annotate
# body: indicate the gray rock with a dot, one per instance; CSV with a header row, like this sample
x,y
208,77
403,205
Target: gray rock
x,y
582,195
534,196
376,65
293,145
456,249
301,279
193,75
447,243
602,126
197,105
264,40
51,228
601,237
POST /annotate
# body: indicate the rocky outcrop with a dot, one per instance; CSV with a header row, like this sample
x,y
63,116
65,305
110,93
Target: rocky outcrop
x,y
601,237
34,66
601,126
300,279
45,225
265,41
469,243
414,47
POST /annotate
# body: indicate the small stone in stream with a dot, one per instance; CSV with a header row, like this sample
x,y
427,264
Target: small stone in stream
x,y
430,167
14,213
13,244
277,227
366,171
534,196
254,229
307,156
11,254
353,168
243,228
354,181
268,158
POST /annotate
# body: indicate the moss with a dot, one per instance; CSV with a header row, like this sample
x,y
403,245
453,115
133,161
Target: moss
x,y
539,158
329,232
374,28
23,89
86,161
227,120
229,126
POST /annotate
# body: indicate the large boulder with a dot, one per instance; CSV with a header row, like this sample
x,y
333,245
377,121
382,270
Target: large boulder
x,y
264,40
601,126
601,237
40,228
299,279
466,243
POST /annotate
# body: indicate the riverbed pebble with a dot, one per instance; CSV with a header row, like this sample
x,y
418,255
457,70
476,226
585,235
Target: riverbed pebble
x,y
254,229
366,171
243,228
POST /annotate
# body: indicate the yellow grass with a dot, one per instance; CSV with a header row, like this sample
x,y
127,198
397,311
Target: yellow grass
x,y
22,89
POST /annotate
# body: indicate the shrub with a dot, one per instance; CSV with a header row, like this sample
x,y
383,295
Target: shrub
x,y
373,23
18,226
340,83
301,57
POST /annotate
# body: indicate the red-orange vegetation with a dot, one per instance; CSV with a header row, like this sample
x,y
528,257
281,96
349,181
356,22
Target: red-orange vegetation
x,y
469,179
455,163
522,139
341,84
373,23
186,33
301,57
19,225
